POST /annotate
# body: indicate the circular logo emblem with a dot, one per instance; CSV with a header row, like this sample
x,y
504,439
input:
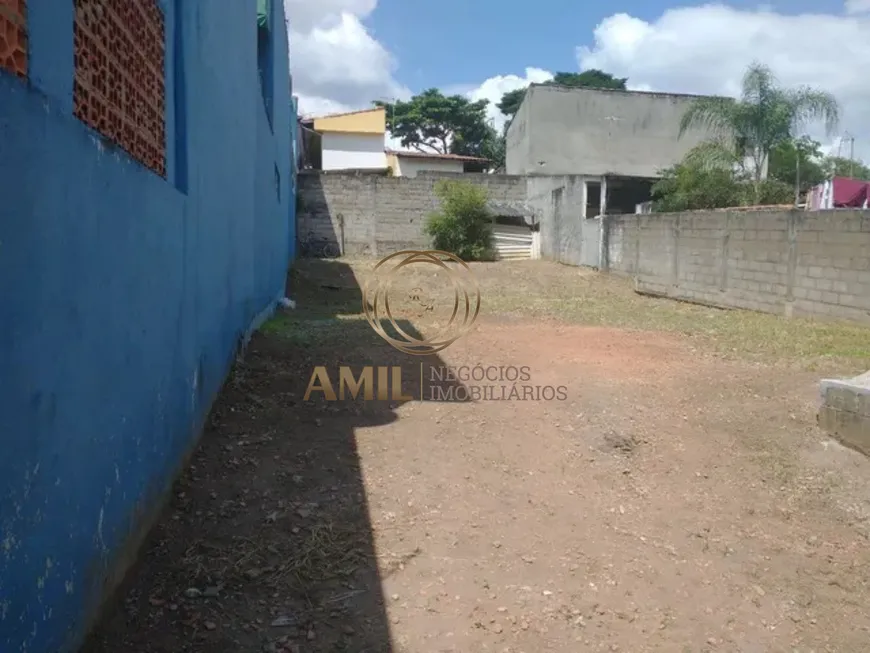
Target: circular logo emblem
x,y
435,287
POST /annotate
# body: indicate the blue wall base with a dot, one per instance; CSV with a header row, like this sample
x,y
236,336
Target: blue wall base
x,y
128,552
261,318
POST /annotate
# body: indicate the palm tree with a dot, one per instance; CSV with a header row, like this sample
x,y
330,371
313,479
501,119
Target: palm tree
x,y
747,129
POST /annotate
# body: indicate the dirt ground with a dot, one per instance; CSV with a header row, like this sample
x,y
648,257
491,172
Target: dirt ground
x,y
679,498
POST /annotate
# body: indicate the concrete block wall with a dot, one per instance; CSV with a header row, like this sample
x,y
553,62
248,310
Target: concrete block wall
x,y
845,411
372,214
785,262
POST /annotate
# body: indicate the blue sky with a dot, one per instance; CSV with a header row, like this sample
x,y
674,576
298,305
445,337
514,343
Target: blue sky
x,y
347,53
481,38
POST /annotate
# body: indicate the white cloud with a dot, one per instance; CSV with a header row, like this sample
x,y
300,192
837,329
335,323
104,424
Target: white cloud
x,y
857,6
394,143
495,87
492,89
304,15
706,50
336,63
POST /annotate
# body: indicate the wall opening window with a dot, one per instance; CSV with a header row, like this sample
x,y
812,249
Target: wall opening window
x,y
265,53
593,199
625,193
119,87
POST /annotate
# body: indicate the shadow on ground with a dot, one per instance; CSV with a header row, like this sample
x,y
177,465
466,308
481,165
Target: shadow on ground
x,y
267,544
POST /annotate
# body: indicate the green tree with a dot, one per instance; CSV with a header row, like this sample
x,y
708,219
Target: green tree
x,y
770,191
797,159
765,115
494,148
687,187
434,122
836,166
592,78
814,168
511,101
694,185
463,224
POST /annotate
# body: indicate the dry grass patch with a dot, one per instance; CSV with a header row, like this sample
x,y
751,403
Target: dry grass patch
x,y
329,296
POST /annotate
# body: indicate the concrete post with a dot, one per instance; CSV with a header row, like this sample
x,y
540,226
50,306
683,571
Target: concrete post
x,y
791,269
724,252
675,256
603,235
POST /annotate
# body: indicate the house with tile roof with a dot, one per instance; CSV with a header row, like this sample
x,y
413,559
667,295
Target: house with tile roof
x,y
345,141
405,163
356,141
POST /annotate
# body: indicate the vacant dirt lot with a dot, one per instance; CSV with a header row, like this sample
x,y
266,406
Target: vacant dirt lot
x,y
678,499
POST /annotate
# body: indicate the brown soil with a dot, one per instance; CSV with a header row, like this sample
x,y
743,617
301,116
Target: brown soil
x,y
674,502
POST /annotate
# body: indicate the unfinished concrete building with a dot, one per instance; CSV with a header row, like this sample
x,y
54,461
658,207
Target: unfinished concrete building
x,y
619,141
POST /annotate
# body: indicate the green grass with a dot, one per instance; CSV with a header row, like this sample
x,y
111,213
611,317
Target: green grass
x,y
599,300
305,330
550,291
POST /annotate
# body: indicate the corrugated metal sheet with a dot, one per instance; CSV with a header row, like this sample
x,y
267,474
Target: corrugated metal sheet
x,y
512,242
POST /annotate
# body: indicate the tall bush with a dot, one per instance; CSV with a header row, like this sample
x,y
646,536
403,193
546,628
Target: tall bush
x,y
463,225
687,187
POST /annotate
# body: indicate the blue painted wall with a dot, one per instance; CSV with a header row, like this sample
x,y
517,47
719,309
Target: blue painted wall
x,y
125,296
294,163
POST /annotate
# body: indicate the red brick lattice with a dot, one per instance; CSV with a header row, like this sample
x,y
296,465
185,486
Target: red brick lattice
x,y
119,75
13,36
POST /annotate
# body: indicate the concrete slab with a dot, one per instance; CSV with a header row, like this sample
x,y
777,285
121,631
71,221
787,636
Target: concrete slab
x,y
845,411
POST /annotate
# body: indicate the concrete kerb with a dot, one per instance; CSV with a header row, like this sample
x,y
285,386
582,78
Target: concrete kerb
x,y
845,411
